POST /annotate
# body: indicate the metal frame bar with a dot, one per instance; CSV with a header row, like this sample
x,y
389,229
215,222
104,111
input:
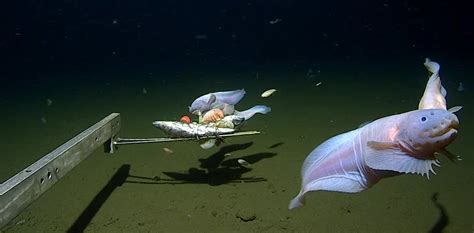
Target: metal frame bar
x,y
26,186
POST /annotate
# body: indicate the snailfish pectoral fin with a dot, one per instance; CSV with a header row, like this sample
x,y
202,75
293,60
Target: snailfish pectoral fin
x,y
212,99
395,160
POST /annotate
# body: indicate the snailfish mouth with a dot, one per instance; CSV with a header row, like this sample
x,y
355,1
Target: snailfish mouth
x,y
451,128
454,123
450,135
446,131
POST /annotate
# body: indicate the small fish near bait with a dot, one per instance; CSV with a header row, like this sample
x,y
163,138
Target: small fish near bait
x,y
268,93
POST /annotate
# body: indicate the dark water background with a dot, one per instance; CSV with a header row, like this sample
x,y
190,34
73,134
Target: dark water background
x,y
88,59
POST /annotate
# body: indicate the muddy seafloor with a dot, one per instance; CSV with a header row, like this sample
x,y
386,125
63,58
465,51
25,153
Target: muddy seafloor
x,y
206,190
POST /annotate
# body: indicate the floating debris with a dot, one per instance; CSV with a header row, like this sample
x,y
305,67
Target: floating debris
x,y
227,155
319,84
244,163
275,21
168,150
310,74
200,37
115,21
460,87
268,93
43,120
144,91
49,102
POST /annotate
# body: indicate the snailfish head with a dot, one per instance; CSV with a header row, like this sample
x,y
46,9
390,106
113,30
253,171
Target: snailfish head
x,y
428,130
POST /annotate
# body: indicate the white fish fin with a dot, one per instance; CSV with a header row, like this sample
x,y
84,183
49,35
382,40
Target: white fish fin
x,y
351,182
324,150
396,160
431,66
208,144
455,109
212,100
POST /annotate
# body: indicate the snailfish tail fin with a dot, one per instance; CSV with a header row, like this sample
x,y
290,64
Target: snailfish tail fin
x,y
432,66
296,202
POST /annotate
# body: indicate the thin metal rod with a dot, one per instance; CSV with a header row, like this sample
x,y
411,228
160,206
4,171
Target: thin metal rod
x,y
129,141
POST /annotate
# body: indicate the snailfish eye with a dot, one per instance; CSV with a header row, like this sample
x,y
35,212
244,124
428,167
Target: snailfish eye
x,y
423,119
